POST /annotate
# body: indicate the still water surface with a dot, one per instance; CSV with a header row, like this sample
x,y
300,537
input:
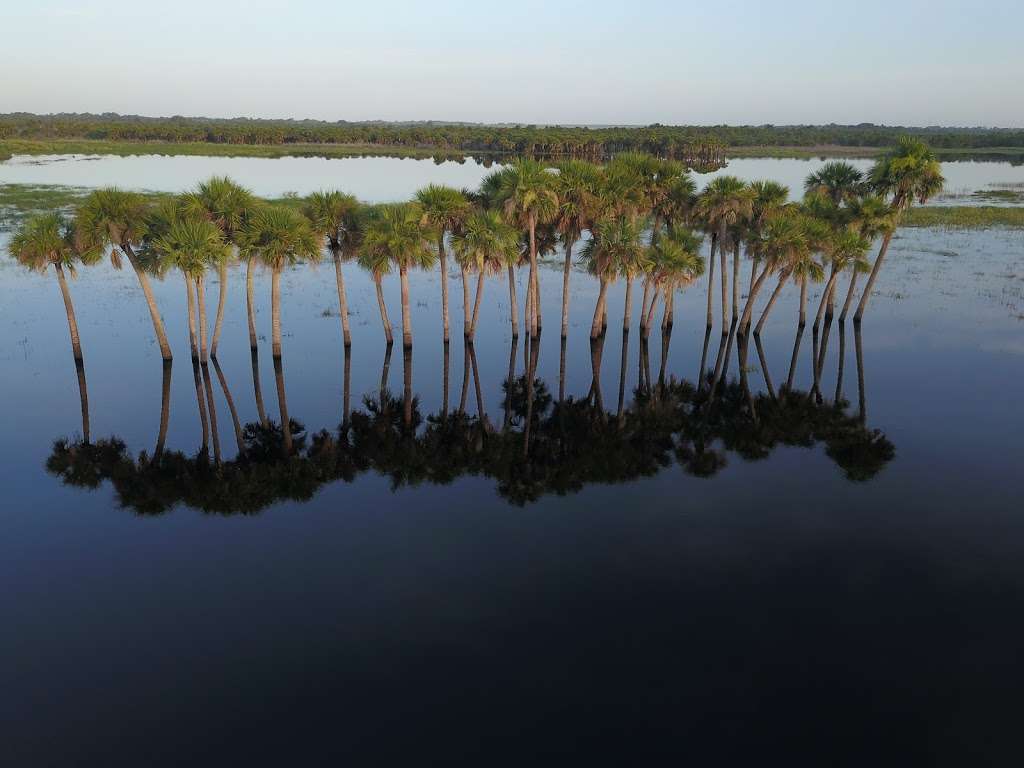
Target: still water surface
x,y
833,579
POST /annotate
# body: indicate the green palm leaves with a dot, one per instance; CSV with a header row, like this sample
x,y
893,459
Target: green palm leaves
x,y
485,243
443,210
837,181
339,218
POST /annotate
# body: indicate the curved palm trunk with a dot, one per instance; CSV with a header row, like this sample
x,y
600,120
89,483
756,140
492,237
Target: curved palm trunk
x,y
649,320
476,304
643,305
480,414
465,376
842,364
214,429
218,323
236,424
403,274
385,370
467,323
565,288
725,280
204,353
596,326
513,301
191,302
147,291
249,302
668,319
622,374
753,273
407,386
83,398
872,277
282,405
849,296
803,301
735,282
165,410
627,312
200,398
443,259
703,359
771,302
257,389
748,308
711,279
825,294
383,308
794,358
65,292
275,312
339,278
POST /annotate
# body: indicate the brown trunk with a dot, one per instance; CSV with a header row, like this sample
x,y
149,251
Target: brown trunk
x,y
793,359
165,410
725,280
204,350
222,296
476,303
192,339
83,399
513,301
711,280
627,312
282,405
872,277
825,293
403,275
147,291
565,288
643,304
443,259
249,308
383,308
849,296
803,301
275,312
596,326
65,292
466,321
339,278
735,282
771,302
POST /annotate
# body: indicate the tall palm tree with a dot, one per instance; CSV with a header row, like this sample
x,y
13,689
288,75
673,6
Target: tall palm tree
x,y
675,263
845,250
278,237
576,187
115,219
870,217
613,243
784,245
838,181
529,198
396,234
723,205
337,217
768,199
484,243
909,172
48,240
227,205
444,209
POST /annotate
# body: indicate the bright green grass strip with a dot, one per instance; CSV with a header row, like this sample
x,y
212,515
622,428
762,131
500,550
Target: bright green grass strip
x,y
964,216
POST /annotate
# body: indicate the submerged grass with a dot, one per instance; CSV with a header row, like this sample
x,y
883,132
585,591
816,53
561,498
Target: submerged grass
x,y
965,216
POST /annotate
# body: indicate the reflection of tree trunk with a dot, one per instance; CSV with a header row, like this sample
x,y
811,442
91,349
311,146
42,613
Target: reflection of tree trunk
x,y
204,349
339,278
703,358
513,301
476,304
443,258
649,320
771,302
531,371
793,359
275,311
481,415
861,397
407,386
231,406
165,410
214,430
872,277
743,350
403,275
282,404
83,397
384,373
467,323
147,291
65,292
666,337
814,363
221,300
465,376
561,371
596,353
803,300
622,373
711,279
764,367
447,356
510,380
725,279
596,326
645,363
202,405
842,363
250,309
735,282
191,302
347,386
383,308
719,366
820,362
257,390
565,287
728,350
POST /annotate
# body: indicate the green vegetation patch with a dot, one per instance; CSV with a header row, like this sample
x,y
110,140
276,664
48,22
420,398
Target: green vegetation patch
x,y
964,216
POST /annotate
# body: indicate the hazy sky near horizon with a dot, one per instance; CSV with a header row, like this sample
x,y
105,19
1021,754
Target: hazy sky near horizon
x,y
735,61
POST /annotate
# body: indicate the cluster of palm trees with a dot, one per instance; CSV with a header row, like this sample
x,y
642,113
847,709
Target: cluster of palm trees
x,y
639,217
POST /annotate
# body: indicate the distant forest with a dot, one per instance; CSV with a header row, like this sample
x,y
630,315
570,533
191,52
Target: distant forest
x,y
689,141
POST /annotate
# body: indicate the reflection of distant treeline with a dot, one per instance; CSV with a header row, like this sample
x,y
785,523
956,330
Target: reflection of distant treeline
x,y
537,445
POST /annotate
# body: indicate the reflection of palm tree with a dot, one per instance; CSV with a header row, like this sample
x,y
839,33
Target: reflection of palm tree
x,y
257,390
407,385
231,405
214,429
282,405
201,400
339,218
165,410
83,397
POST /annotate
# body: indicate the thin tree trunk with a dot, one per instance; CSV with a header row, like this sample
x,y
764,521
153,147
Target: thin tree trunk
x,y
668,319
443,258
622,374
282,405
872,277
147,291
257,389
771,303
753,274
202,406
711,280
510,380
826,292
403,275
192,338
725,280
627,312
221,300
513,301
214,429
842,364
65,292
467,323
481,416
532,289
204,350
596,326
748,309
342,298
249,304
275,312
794,358
476,304
407,386
861,395
385,370
649,320
565,288
803,301
347,388
703,358
849,296
764,367
383,309
666,338
596,355
165,410
83,398
561,371
445,379
231,406
735,282
465,376
643,305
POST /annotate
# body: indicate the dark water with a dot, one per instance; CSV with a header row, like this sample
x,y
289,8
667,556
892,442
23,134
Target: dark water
x,y
696,575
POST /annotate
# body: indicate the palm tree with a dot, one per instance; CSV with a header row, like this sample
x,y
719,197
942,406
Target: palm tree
x,y
48,240
529,198
115,219
870,216
338,217
396,234
576,188
613,243
784,246
484,243
838,181
444,209
909,172
769,198
278,237
845,249
723,205
675,263
227,205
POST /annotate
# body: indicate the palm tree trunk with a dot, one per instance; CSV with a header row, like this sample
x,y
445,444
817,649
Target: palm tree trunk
x,y
510,380
221,300
764,367
793,359
191,299
735,281
347,390
147,291
480,413
748,309
622,374
407,386
771,302
257,389
711,279
803,301
403,274
249,309
165,410
753,274
513,301
383,309
83,398
465,376
565,288
670,300
282,405
339,278
643,305
725,280
826,292
534,294
849,296
204,354
231,406
65,292
466,322
275,312
872,277
384,371
561,371
445,379
596,326
703,358
649,320
443,259
862,410
666,338
627,312
214,429
200,398
476,304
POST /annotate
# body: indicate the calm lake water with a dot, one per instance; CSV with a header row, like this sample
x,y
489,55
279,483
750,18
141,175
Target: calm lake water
x,y
840,575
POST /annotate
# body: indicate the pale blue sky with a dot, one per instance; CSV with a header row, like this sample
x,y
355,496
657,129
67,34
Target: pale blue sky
x,y
635,61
